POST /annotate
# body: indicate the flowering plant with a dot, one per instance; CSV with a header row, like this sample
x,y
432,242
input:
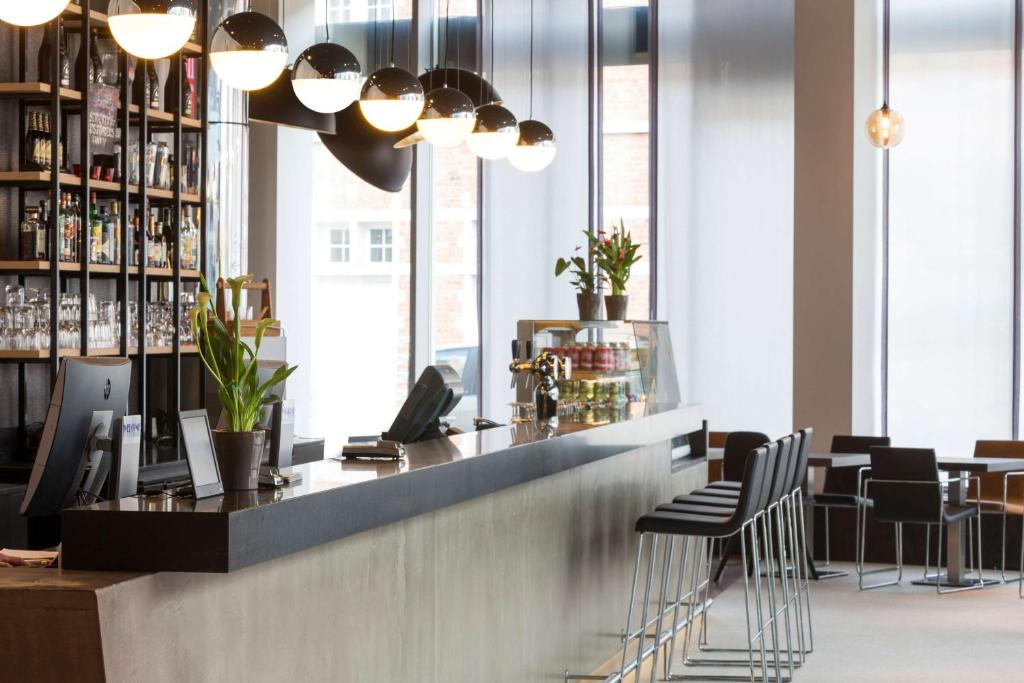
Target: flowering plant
x,y
615,255
231,361
584,277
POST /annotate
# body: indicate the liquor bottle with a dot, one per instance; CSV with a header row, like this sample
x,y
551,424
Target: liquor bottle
x,y
90,70
95,59
28,154
191,108
27,238
74,230
151,240
95,232
44,64
136,224
46,145
169,252
153,96
42,250
113,230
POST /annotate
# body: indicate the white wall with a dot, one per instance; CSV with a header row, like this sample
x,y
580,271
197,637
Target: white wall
x,y
726,206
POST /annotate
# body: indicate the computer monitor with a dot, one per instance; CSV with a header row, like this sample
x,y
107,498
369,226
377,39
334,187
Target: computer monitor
x,y
90,394
436,393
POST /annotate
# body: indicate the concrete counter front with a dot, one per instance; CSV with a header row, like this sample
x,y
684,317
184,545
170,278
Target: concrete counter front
x,y
500,556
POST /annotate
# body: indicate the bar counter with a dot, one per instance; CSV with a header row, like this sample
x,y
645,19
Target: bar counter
x,y
517,540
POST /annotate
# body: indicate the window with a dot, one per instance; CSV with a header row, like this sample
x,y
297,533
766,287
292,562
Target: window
x,y
361,379
454,323
951,229
378,10
340,246
380,245
339,11
625,139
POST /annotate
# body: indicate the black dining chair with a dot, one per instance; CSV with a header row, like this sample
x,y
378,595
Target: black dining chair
x,y
842,487
905,488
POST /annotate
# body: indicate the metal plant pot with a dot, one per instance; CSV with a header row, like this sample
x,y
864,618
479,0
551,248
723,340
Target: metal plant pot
x,y
238,457
616,305
590,305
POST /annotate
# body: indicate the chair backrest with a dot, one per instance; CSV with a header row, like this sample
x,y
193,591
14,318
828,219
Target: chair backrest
x,y
771,459
794,457
803,455
895,498
992,483
737,446
717,439
752,484
781,476
844,479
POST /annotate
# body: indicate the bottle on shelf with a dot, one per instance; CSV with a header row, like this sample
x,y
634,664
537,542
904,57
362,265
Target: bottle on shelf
x,y
31,157
153,97
168,240
44,63
95,232
91,69
28,237
136,224
112,228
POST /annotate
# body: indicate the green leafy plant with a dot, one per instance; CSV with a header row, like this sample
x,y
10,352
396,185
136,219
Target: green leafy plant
x,y
231,361
584,277
615,256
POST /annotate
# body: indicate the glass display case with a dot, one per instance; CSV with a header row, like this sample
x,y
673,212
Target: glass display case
x,y
615,364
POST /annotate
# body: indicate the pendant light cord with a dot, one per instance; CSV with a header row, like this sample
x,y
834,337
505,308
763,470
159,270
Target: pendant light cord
x,y
492,55
391,61
447,36
327,22
886,20
531,58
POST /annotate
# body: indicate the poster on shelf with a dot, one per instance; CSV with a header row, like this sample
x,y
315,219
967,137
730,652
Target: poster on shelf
x,y
103,131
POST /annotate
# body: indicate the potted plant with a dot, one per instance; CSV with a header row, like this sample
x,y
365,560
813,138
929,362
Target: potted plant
x,y
233,365
588,299
615,255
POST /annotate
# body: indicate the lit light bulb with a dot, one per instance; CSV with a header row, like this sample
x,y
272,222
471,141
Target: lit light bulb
x,y
151,29
326,78
248,51
495,132
885,128
392,99
536,148
30,12
448,117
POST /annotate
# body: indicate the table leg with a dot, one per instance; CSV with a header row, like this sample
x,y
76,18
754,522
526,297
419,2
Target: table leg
x,y
816,573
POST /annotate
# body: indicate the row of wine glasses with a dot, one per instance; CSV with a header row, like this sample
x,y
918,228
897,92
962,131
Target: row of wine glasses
x,y
25,321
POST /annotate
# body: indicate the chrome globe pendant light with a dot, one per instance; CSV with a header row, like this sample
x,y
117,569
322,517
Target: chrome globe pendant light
x,y
448,116
536,148
496,130
885,127
151,29
327,77
392,98
31,12
248,51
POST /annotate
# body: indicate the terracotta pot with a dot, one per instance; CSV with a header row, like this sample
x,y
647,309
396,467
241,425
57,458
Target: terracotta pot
x,y
616,305
238,457
590,305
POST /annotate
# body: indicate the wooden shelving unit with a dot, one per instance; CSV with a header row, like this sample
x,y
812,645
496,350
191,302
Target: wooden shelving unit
x,y
71,107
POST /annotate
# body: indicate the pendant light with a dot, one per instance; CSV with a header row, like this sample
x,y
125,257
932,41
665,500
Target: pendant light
x,y
884,126
327,77
30,12
448,117
496,130
536,147
392,98
248,51
151,29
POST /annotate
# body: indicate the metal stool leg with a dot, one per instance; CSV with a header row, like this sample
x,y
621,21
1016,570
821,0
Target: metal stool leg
x,y
801,529
629,608
666,569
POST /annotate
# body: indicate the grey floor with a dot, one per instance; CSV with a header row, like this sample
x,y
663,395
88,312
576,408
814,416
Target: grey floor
x,y
900,634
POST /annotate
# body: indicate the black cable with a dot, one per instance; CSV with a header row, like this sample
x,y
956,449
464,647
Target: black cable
x,y
392,59
531,59
886,19
447,35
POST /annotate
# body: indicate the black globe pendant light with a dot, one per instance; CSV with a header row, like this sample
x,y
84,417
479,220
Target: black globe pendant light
x,y
392,98
536,148
327,77
151,29
248,51
447,118
496,130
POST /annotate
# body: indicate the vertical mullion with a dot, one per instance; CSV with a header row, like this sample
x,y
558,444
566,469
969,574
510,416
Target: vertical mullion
x,y
480,61
1018,71
85,160
414,222
142,72
123,283
177,89
54,195
202,91
652,154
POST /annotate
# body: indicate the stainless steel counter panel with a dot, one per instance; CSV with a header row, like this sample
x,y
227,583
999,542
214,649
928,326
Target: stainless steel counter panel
x,y
339,499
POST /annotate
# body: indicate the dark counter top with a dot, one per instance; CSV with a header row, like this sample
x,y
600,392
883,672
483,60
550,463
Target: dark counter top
x,y
339,499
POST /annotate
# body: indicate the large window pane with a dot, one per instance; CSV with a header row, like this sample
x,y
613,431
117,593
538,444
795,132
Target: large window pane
x,y
624,139
951,233
454,329
362,262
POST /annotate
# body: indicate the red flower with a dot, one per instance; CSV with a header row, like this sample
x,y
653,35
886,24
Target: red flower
x,y
622,254
608,243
